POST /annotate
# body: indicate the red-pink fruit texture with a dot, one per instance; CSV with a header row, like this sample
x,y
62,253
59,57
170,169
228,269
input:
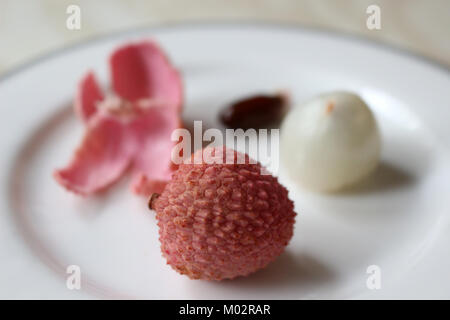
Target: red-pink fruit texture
x,y
219,221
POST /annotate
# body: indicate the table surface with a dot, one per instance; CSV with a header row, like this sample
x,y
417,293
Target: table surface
x,y
30,29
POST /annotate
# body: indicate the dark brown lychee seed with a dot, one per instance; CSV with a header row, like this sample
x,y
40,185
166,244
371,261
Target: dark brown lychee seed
x,y
261,111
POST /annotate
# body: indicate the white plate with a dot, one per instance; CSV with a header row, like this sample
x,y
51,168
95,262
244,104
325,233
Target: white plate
x,y
398,220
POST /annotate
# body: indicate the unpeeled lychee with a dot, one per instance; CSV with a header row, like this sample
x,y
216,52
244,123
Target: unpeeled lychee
x,y
222,220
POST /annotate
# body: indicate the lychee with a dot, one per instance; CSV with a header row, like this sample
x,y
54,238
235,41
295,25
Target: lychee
x,y
331,142
223,219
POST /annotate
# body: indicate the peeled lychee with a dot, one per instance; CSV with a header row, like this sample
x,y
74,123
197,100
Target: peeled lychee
x,y
331,142
222,220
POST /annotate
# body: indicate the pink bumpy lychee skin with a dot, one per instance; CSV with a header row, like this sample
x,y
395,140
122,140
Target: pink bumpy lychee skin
x,y
220,221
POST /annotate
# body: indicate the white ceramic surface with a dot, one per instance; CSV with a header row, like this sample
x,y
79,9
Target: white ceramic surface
x,y
398,219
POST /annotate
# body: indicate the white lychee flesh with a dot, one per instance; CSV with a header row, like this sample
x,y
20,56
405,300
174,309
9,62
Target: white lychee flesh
x,y
331,142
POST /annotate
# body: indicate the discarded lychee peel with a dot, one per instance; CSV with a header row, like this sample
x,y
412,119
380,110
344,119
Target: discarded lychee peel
x,y
87,96
137,70
100,159
152,165
137,122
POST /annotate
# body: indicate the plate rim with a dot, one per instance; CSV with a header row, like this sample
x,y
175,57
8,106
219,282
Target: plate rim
x,y
168,26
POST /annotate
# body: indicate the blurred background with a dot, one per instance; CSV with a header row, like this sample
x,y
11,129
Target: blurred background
x,y
29,29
